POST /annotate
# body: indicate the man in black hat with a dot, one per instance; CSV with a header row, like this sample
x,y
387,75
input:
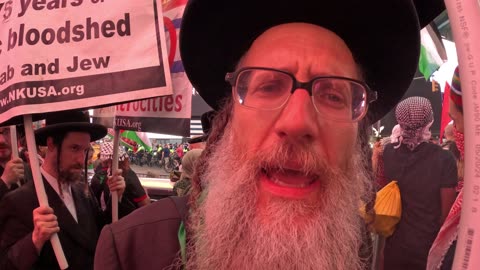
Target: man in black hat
x,y
295,85
73,213
12,170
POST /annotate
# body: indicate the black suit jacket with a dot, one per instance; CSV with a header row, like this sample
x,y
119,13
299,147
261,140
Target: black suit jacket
x,y
78,239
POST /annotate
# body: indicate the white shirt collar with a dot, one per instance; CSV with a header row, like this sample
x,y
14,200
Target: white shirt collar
x,y
66,196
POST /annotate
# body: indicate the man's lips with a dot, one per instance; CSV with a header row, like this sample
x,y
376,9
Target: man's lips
x,y
290,178
289,183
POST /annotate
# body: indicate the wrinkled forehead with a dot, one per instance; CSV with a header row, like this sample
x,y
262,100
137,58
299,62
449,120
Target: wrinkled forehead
x,y
300,45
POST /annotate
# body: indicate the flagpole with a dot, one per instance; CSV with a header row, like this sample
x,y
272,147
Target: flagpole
x,y
14,146
464,19
40,188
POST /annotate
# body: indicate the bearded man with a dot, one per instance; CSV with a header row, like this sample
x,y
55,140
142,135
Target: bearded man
x,y
283,173
73,212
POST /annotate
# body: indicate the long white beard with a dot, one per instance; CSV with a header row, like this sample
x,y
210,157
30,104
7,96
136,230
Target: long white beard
x,y
231,232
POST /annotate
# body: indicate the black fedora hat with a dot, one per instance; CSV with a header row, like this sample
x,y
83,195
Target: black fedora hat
x,y
206,119
382,35
68,121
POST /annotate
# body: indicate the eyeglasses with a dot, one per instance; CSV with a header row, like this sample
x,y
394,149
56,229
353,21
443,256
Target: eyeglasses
x,y
335,98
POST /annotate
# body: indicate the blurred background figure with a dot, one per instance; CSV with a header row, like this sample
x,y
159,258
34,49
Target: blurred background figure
x,y
182,186
377,157
134,192
12,170
443,249
450,143
427,176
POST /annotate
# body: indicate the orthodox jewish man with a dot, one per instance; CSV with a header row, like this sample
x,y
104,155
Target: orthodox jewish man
x,y
295,84
73,212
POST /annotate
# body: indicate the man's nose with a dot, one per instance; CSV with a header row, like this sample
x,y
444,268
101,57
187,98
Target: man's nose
x,y
298,120
80,158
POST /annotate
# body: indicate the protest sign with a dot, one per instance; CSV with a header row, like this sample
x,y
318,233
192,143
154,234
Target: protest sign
x,y
58,55
87,53
165,114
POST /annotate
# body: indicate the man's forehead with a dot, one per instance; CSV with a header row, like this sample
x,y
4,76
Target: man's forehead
x,y
82,138
303,46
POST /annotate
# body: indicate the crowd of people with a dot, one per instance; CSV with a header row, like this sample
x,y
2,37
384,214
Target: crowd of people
x,y
277,180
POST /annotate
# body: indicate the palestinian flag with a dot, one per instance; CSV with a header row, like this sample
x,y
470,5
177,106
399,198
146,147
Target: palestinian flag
x,y
432,52
132,139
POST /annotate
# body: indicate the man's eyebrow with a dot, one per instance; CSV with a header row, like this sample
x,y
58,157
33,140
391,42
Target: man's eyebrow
x,y
79,145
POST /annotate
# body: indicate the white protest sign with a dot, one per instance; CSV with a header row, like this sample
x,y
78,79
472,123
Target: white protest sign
x,y
166,114
66,54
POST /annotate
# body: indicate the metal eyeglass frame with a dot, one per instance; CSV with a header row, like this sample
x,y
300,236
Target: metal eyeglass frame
x,y
371,96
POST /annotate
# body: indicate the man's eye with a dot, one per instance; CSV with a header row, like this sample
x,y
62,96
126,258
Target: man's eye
x,y
331,99
267,87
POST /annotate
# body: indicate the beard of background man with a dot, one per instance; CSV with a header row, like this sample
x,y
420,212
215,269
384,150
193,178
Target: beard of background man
x,y
71,175
231,231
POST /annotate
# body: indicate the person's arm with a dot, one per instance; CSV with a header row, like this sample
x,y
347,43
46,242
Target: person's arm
x,y
106,256
144,202
19,246
447,197
22,255
135,188
448,183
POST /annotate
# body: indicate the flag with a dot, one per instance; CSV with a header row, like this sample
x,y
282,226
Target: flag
x,y
432,51
129,138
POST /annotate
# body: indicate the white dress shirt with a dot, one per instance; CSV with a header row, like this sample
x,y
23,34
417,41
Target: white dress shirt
x,y
66,193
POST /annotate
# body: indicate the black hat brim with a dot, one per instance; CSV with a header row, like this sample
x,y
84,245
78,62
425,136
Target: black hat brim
x,y
382,35
198,139
96,131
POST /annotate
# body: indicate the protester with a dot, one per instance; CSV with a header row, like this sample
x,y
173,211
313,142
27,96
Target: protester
x,y
279,183
450,143
179,151
443,249
377,157
134,192
427,176
183,185
165,154
12,170
73,212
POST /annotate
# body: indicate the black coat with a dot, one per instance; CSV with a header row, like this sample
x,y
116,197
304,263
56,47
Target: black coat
x,y
78,239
